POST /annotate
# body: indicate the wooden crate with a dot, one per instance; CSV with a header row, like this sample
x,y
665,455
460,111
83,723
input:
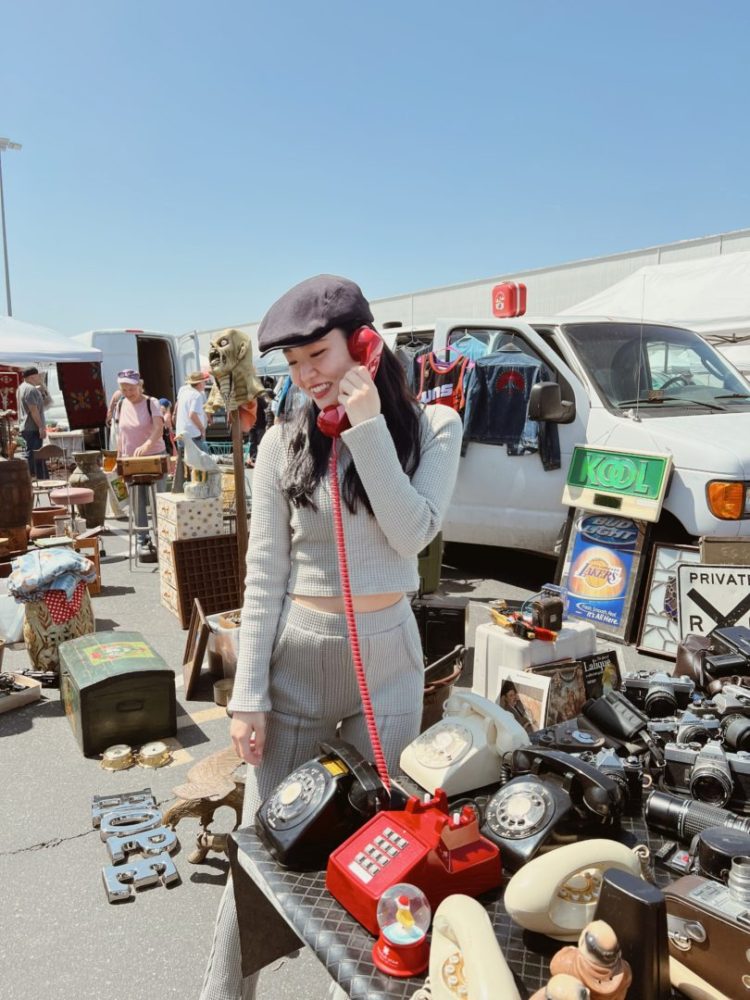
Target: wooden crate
x,y
90,548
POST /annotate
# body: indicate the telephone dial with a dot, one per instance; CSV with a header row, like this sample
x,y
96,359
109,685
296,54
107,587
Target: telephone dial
x,y
551,798
365,346
462,752
556,894
465,958
318,806
425,845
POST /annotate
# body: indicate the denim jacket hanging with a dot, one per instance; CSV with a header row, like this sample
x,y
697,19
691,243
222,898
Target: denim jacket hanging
x,y
497,394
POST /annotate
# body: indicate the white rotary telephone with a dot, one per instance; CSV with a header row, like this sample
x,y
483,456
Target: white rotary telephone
x,y
556,893
466,962
462,752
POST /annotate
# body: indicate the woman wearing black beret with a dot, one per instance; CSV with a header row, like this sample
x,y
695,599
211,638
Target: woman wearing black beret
x,y
295,684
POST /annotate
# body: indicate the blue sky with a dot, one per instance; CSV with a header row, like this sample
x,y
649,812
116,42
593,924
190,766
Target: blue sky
x,y
184,163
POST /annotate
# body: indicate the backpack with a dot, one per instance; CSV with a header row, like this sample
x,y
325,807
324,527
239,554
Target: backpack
x,y
121,400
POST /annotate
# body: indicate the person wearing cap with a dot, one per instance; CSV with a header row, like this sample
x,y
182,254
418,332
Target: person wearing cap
x,y
295,683
32,398
190,421
140,430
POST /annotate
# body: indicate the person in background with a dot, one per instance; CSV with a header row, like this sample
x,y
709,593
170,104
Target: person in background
x,y
190,421
263,420
140,433
111,421
295,679
32,397
166,415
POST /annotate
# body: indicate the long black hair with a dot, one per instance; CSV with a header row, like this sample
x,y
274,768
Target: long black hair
x,y
310,449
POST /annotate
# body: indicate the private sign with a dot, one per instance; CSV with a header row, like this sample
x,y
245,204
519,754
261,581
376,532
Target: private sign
x,y
631,483
712,597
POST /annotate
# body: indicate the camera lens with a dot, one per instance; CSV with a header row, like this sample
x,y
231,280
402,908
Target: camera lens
x,y
739,879
711,778
683,818
737,732
693,732
660,700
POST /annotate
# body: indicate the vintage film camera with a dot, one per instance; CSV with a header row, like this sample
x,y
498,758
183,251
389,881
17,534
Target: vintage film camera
x,y
711,660
686,727
657,694
709,774
708,926
626,772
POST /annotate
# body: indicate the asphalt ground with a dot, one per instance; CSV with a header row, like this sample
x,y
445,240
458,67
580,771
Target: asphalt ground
x,y
60,939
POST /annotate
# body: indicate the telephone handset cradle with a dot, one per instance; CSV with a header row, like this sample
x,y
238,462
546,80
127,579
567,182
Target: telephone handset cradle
x,y
425,845
462,752
318,806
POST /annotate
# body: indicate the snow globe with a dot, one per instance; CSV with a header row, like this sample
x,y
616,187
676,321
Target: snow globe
x,y
403,917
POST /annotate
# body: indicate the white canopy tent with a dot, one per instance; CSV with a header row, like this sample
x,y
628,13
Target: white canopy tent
x,y
710,295
26,344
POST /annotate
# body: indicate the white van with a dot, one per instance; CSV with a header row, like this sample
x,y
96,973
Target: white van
x,y
163,359
634,386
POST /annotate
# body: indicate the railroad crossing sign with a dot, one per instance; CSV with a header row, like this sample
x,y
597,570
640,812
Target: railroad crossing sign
x,y
712,597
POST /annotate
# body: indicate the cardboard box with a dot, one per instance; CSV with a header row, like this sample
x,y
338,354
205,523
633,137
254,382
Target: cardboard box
x,y
17,699
187,517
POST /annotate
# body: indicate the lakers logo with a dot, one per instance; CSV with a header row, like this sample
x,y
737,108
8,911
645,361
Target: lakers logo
x,y
597,572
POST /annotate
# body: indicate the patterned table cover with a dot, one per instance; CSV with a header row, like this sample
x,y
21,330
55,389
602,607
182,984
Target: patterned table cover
x,y
345,948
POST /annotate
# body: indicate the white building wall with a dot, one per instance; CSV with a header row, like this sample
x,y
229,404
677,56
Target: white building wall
x,y
550,289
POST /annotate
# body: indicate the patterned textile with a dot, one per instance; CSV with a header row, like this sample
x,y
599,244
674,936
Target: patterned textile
x,y
43,636
47,569
83,393
60,608
10,379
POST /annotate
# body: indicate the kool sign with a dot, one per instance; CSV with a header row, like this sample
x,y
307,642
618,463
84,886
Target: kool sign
x,y
629,483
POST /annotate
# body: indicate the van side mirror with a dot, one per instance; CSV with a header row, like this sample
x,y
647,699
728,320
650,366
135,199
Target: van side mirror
x,y
546,403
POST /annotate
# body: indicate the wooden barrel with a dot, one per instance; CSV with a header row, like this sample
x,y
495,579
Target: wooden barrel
x,y
16,493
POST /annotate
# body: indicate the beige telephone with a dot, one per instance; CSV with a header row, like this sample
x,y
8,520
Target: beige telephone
x,y
462,751
556,893
466,962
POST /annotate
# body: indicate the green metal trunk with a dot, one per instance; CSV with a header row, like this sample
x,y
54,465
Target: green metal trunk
x,y
116,689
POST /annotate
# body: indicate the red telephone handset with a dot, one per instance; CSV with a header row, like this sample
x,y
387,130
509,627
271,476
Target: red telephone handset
x,y
365,346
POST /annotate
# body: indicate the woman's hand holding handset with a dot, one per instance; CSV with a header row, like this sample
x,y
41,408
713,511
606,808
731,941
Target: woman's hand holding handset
x,y
358,395
248,732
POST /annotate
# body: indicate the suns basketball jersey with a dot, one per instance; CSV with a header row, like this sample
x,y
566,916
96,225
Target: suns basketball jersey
x,y
442,381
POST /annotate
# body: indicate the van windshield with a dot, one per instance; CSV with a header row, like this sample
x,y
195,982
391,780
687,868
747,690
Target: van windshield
x,y
656,367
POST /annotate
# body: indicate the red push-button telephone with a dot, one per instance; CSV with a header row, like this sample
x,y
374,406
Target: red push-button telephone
x,y
424,845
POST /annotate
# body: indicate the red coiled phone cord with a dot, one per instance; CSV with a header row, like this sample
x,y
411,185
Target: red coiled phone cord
x,y
351,621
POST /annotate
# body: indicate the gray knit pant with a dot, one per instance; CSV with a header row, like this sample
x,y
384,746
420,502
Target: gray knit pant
x,y
313,689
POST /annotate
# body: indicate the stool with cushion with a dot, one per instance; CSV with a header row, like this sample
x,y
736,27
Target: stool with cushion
x,y
70,496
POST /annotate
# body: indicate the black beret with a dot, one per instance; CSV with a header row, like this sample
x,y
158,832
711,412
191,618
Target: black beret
x,y
309,310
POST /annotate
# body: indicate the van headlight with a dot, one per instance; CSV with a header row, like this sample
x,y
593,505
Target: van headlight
x,y
729,501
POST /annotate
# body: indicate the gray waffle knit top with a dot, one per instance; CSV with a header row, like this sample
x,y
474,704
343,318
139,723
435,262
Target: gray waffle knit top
x,y
293,550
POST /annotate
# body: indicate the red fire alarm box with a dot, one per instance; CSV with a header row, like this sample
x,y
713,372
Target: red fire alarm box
x,y
509,299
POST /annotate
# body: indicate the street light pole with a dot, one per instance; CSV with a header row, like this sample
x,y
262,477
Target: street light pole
x,y
5,144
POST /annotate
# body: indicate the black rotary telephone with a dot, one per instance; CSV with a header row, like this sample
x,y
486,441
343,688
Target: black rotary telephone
x,y
551,797
319,805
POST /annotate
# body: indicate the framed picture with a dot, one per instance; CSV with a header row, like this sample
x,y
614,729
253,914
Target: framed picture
x,y
660,624
195,648
600,566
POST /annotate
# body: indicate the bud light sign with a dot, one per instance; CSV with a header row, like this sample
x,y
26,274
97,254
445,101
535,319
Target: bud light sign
x,y
601,569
